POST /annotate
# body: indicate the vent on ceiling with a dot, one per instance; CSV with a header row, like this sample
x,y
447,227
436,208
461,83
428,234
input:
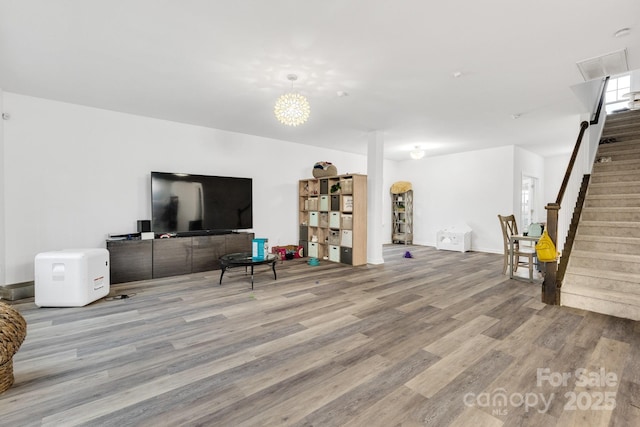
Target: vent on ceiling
x,y
606,65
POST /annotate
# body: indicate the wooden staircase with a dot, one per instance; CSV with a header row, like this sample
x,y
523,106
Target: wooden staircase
x,y
603,271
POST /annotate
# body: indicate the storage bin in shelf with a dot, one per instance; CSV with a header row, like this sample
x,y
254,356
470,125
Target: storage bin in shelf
x,y
347,238
346,185
311,204
334,237
313,219
455,238
314,249
324,220
347,222
324,203
334,253
347,203
334,219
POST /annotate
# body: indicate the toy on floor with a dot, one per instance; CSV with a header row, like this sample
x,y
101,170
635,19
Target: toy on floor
x,y
407,254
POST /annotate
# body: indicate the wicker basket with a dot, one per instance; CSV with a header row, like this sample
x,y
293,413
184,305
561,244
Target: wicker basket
x,y
324,169
13,330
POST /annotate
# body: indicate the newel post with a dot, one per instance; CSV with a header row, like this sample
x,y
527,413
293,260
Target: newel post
x,y
550,288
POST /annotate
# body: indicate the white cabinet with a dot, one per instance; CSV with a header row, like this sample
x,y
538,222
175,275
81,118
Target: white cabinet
x,y
454,238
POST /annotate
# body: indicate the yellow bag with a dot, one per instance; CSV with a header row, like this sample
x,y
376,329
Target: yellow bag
x,y
545,249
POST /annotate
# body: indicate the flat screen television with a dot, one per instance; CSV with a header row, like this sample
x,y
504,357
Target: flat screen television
x,y
187,204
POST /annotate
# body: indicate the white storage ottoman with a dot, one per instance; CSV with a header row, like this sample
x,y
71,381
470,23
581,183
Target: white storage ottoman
x,y
71,278
456,238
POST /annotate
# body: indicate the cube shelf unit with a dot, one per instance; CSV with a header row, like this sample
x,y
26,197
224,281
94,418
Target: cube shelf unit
x,y
402,217
333,218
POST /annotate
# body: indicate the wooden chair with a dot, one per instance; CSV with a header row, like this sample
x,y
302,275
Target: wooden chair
x,y
509,228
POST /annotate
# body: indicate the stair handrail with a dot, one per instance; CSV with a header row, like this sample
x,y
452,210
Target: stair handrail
x,y
574,155
551,284
603,91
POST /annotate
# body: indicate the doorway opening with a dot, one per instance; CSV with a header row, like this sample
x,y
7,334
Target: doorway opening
x,y
528,214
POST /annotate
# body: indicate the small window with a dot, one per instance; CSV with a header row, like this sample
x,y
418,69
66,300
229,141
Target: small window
x,y
614,96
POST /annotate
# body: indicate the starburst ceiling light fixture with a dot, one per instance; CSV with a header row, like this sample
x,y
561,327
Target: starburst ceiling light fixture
x,y
417,154
292,109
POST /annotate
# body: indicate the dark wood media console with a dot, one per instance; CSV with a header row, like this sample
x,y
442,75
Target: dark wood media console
x,y
132,260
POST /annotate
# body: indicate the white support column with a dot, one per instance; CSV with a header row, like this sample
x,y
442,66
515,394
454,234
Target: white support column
x,y
375,166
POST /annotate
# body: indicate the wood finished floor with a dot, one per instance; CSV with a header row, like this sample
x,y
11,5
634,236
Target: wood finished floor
x,y
432,340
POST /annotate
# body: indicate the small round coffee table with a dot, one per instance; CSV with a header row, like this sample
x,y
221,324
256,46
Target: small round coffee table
x,y
244,259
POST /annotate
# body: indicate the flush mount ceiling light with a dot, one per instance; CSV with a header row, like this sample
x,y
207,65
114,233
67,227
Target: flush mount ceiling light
x,y
417,154
292,109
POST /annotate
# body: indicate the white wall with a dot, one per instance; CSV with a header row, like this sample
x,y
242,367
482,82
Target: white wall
x,y
469,188
472,188
74,174
530,164
555,168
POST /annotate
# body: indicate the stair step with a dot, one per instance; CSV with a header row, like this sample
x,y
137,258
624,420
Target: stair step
x,y
605,261
613,147
618,145
600,304
632,280
628,120
612,293
609,292
617,155
620,136
629,123
612,200
609,228
625,126
619,126
598,177
622,116
630,187
630,214
598,288
618,165
608,244
606,279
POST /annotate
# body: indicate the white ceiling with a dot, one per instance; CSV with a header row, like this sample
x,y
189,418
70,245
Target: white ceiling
x,y
222,64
